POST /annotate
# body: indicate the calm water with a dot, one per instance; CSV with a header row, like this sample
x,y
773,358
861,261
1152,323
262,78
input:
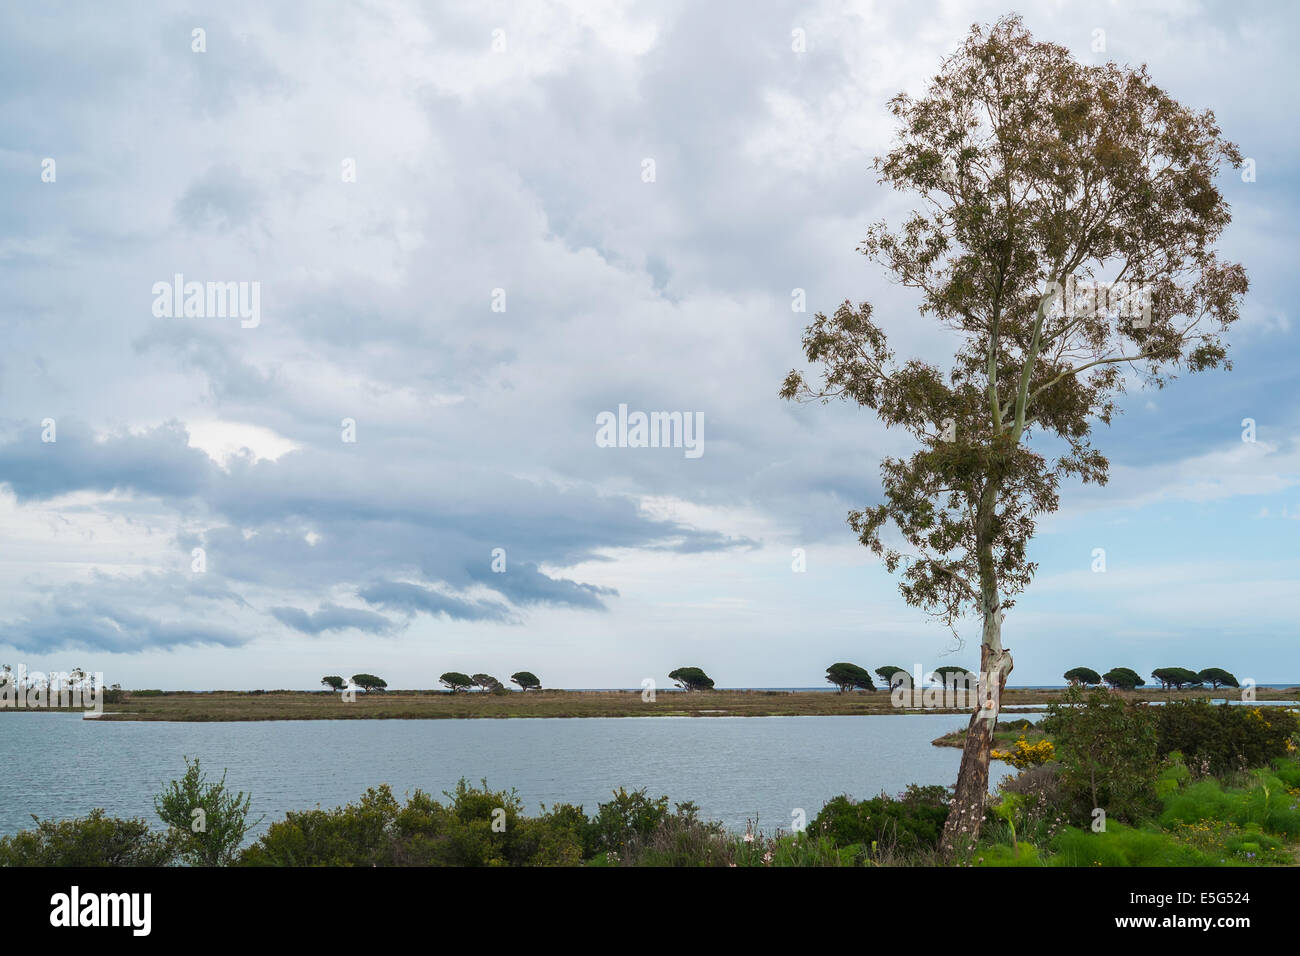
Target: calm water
x,y
735,768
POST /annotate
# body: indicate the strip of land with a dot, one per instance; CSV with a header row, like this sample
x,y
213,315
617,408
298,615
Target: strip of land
x,y
437,705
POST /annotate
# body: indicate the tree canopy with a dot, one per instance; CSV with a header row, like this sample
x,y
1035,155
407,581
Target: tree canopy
x,y
455,680
1123,678
1082,675
1217,677
526,680
847,677
691,678
886,674
369,682
1178,677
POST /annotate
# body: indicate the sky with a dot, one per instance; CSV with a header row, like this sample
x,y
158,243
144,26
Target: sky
x,y
472,228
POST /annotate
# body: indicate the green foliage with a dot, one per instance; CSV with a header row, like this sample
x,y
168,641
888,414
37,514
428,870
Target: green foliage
x,y
1124,846
526,680
207,820
793,849
680,838
1217,677
886,674
1082,675
847,677
948,671
913,821
691,678
1266,804
333,682
1178,677
94,840
369,682
1039,809
359,834
486,682
477,827
1000,854
1173,775
1221,739
1107,751
455,681
1123,678
1287,769
627,818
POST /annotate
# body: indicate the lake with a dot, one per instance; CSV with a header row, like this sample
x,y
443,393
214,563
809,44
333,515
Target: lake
x,y
735,768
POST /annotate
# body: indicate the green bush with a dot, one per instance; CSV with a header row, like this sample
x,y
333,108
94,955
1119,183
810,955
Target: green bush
x,y
680,839
477,827
1220,739
358,834
207,820
94,840
1107,749
914,821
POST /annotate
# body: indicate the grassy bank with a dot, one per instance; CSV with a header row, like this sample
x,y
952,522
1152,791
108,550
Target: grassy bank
x,y
436,705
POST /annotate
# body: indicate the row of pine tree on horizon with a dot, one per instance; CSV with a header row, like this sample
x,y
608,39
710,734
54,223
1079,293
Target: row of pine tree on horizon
x,y
845,676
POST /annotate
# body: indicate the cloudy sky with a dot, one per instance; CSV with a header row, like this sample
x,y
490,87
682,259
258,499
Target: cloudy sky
x,y
446,210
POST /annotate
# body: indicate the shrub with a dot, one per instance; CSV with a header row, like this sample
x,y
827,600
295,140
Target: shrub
x,y
1025,754
913,821
681,839
360,834
209,822
1042,808
1221,739
477,827
625,819
1107,751
94,840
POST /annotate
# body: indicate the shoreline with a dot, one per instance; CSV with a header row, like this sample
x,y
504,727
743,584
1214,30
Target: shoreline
x,y
231,706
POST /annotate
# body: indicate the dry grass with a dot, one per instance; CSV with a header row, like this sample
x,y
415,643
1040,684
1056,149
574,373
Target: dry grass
x,y
426,705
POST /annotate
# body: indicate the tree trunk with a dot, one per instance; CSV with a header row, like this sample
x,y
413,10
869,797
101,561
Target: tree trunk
x,y
966,813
